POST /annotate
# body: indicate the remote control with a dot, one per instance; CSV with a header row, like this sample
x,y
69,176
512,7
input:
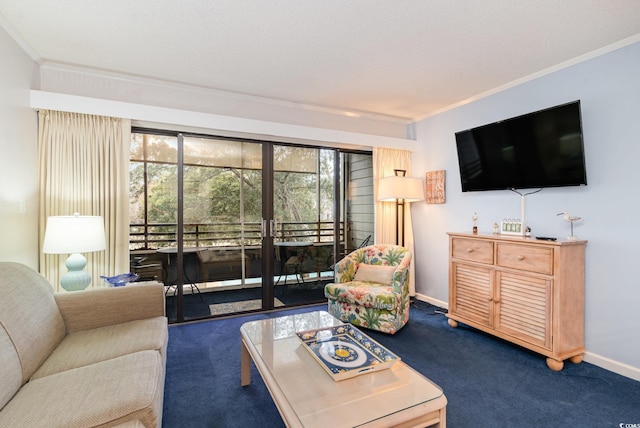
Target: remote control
x,y
545,238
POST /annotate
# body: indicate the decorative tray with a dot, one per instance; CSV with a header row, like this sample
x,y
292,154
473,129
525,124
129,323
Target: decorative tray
x,y
345,352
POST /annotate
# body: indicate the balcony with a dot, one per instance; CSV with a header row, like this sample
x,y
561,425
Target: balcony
x,y
229,254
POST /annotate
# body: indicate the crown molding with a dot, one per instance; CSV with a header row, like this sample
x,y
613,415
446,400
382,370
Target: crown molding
x,y
561,66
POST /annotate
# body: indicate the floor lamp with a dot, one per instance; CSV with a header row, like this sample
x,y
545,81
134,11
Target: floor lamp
x,y
401,190
73,235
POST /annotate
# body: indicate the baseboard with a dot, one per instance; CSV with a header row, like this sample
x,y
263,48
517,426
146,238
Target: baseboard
x,y
613,366
435,302
595,359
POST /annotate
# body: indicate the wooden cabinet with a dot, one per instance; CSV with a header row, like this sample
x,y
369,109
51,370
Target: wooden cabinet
x,y
523,290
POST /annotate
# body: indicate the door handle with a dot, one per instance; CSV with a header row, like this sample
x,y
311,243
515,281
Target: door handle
x,y
263,228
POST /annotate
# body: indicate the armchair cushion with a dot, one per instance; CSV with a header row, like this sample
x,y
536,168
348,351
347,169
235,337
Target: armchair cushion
x,y
375,273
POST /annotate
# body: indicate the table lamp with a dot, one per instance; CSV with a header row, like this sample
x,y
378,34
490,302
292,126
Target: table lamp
x,y
401,190
74,235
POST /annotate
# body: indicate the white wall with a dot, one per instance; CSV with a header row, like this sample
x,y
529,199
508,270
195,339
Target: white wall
x,y
609,89
18,155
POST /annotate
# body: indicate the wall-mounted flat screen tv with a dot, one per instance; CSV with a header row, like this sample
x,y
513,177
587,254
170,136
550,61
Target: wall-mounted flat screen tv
x,y
536,150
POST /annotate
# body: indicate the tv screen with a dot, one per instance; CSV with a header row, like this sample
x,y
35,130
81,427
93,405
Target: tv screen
x,y
540,149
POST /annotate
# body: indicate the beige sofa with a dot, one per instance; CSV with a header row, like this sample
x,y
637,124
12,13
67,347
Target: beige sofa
x,y
93,358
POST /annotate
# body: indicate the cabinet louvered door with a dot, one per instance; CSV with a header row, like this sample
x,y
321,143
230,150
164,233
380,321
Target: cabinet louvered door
x,y
523,308
472,297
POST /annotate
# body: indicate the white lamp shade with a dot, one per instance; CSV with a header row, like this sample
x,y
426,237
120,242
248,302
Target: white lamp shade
x,y
74,234
397,187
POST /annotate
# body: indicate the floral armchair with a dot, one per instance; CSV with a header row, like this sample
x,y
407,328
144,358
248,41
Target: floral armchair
x,y
372,288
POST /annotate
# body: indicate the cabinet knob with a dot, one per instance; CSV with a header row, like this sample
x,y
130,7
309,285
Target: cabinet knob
x,y
469,250
521,258
496,300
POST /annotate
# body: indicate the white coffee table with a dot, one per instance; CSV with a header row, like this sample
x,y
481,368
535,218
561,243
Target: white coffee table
x,y
306,396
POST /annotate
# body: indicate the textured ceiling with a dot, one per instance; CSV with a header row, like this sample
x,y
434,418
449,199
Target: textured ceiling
x,y
404,58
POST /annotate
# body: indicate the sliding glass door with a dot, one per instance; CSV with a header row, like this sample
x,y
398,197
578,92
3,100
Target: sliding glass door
x,y
229,226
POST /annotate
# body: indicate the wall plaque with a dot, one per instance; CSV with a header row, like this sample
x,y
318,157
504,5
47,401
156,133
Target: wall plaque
x,y
435,184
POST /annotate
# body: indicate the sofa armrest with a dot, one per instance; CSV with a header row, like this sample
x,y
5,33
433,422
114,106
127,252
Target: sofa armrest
x,y
87,309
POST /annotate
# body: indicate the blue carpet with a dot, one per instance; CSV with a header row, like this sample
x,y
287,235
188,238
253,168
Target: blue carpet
x,y
488,382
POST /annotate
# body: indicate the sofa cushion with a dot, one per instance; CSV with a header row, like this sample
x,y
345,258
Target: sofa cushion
x,y
29,315
375,273
111,392
10,371
366,294
86,347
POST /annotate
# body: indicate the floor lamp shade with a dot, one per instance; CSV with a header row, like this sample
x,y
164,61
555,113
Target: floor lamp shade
x,y
74,235
395,187
401,190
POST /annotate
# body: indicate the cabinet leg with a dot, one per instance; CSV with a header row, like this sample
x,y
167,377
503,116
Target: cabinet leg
x,y
555,365
452,323
576,359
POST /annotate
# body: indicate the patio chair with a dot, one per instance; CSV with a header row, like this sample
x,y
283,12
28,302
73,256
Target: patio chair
x,y
293,266
372,288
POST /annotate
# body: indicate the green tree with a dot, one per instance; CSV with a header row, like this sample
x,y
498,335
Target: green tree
x,y
303,187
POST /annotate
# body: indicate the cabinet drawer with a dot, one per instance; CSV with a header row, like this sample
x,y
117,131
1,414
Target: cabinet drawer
x,y
476,250
530,258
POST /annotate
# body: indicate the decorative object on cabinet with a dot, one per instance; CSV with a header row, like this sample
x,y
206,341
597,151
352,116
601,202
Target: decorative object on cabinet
x,y
529,292
511,227
401,190
571,219
436,187
475,223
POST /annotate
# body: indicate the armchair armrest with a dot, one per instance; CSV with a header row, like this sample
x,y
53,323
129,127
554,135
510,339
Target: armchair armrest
x,y
401,275
82,310
346,269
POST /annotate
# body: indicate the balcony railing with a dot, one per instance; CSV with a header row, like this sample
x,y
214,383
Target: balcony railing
x,y
159,235
226,240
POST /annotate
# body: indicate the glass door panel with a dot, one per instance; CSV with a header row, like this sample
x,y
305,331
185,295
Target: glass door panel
x,y
222,217
153,211
357,214
303,210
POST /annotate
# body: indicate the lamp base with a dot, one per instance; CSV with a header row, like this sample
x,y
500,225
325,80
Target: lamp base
x,y
76,279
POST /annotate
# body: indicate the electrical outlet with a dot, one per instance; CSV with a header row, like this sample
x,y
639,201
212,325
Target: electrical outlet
x,y
23,206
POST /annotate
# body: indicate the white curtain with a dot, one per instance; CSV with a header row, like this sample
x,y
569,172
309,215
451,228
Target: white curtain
x,y
83,167
385,161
